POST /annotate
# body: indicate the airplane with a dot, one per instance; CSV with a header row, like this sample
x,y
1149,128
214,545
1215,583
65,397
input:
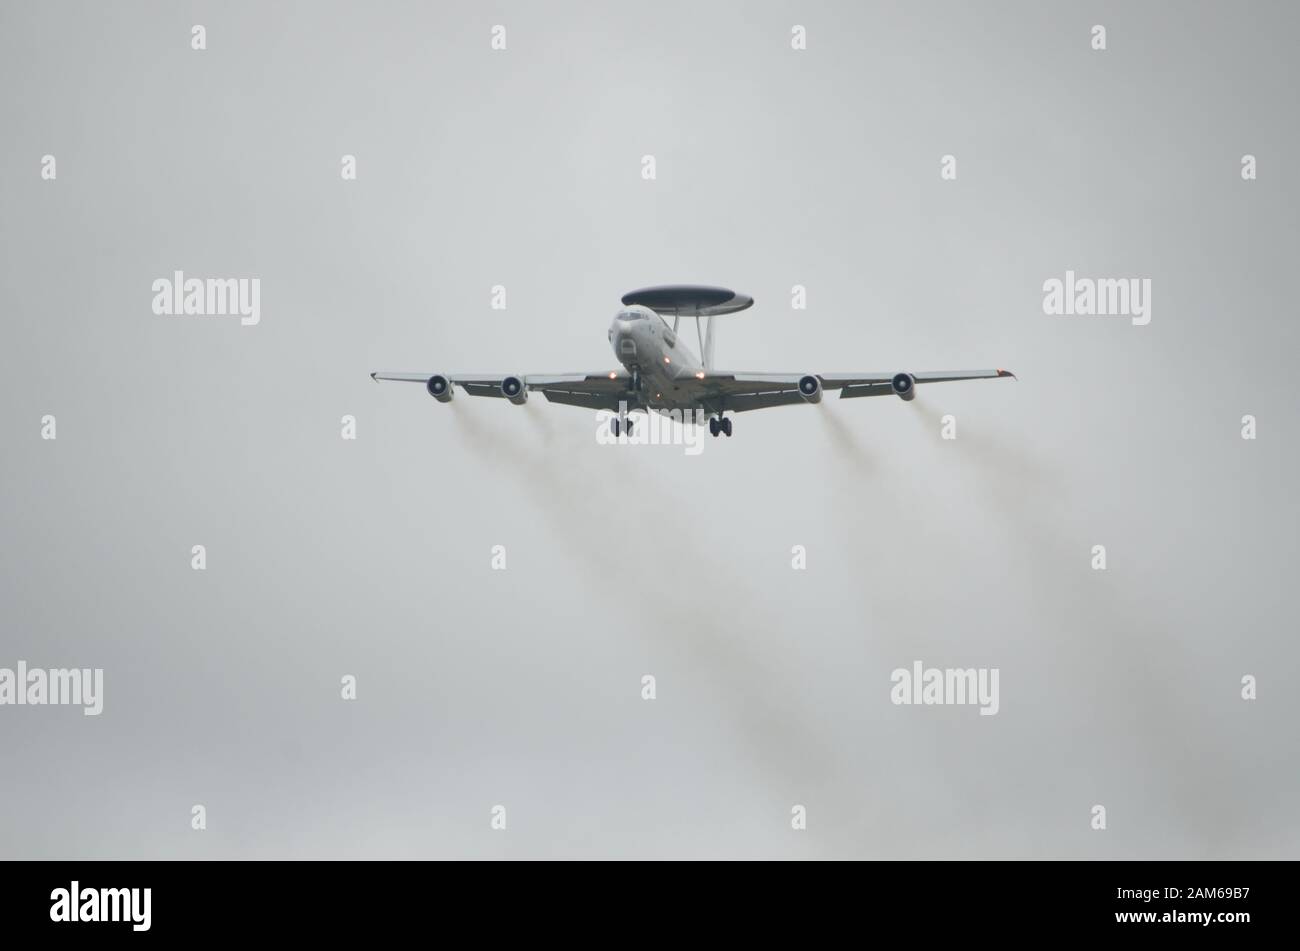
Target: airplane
x,y
659,373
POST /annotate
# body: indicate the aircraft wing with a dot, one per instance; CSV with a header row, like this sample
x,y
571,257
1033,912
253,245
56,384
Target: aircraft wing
x,y
742,391
593,390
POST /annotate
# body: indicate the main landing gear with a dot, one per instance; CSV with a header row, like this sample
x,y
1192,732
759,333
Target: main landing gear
x,y
720,424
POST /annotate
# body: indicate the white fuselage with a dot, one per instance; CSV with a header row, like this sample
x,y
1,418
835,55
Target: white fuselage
x,y
656,357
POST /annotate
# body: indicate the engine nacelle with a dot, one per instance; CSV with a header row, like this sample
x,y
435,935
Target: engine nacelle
x,y
513,389
810,388
904,386
440,388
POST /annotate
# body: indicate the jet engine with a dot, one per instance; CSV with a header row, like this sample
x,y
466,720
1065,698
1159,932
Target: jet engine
x,y
513,389
810,388
904,385
440,388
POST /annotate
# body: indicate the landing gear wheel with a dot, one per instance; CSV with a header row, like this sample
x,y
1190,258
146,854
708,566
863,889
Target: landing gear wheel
x,y
613,425
726,427
714,428
627,425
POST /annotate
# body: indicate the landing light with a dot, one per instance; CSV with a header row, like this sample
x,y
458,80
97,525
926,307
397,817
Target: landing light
x,y
613,375
666,360
699,375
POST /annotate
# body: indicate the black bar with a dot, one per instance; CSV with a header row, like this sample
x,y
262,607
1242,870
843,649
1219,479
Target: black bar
x,y
1149,900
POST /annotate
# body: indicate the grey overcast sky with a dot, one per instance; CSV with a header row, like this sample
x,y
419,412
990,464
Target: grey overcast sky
x,y
522,167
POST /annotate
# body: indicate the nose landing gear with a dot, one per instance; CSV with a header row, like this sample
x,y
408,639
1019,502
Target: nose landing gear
x,y
616,425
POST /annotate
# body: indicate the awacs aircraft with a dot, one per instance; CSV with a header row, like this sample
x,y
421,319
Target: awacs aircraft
x,y
660,374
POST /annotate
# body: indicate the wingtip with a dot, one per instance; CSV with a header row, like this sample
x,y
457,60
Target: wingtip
x,y
375,375
1002,373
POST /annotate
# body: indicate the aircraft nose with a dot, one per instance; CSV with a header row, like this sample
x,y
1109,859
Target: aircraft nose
x,y
623,335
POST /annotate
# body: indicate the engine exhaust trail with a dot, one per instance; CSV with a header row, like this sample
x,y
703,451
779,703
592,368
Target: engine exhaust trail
x,y
1092,624
780,734
845,440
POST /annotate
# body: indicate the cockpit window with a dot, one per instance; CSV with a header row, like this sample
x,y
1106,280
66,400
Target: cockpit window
x,y
631,315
